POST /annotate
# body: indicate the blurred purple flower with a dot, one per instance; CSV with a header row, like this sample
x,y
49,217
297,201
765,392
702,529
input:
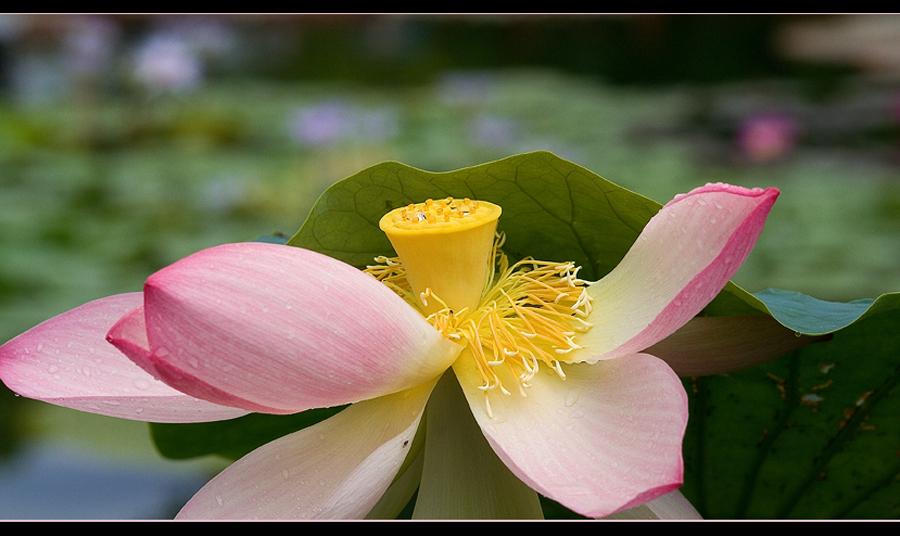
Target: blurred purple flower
x,y
330,122
767,137
165,62
321,124
493,131
465,88
89,44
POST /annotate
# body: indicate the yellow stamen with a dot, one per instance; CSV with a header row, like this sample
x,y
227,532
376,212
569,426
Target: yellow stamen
x,y
524,315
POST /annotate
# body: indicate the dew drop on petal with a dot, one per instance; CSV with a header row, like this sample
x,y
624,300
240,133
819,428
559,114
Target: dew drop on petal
x,y
572,397
141,384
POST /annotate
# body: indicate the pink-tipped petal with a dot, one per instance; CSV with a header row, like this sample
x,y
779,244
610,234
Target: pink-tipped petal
x,y
66,361
129,335
606,438
716,345
287,328
682,259
337,469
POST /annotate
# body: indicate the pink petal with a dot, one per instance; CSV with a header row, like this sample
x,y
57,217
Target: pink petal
x,y
606,438
682,259
337,469
129,335
283,328
716,345
66,361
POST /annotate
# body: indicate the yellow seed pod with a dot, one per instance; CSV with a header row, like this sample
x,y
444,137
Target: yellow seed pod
x,y
445,246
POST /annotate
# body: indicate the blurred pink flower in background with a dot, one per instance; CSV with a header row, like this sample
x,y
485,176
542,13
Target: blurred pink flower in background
x,y
767,137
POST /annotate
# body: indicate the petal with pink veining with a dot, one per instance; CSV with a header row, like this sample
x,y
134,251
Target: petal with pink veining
x,y
286,328
66,361
682,259
336,469
607,437
129,335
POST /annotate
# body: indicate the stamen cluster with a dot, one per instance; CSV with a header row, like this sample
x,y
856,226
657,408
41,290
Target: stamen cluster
x,y
529,314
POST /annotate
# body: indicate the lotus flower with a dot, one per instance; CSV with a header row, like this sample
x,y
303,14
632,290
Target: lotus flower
x,y
565,401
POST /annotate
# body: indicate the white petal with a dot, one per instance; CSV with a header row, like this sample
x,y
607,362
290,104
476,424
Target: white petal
x,y
462,477
672,505
336,469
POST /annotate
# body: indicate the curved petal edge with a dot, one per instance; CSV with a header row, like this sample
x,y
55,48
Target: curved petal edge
x,y
66,361
286,328
684,256
336,469
605,438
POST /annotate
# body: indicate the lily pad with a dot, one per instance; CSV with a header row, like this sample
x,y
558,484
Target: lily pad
x,y
812,435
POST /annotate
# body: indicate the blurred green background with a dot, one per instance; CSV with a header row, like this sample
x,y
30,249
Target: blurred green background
x,y
128,142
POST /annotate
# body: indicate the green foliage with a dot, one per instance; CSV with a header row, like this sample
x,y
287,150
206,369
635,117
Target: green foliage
x,y
812,435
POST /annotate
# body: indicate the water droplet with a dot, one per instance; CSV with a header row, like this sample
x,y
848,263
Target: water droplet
x,y
141,384
52,369
572,397
286,474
